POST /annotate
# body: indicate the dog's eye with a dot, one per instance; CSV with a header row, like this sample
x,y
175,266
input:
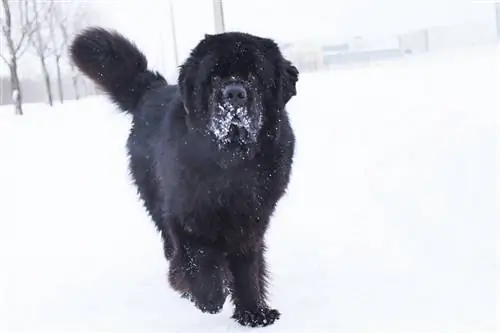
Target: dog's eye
x,y
252,79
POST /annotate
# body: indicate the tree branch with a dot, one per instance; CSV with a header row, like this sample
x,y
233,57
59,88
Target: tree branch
x,y
4,59
21,50
27,28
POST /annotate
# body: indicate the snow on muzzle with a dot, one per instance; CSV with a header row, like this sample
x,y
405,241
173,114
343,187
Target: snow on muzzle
x,y
232,123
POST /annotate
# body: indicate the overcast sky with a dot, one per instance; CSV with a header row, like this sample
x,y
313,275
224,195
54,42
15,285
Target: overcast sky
x,y
147,21
281,19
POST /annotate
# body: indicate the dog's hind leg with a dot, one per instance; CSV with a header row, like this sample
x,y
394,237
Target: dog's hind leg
x,y
147,188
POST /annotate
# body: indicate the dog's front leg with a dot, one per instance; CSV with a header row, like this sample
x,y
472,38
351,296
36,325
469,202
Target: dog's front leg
x,y
248,270
197,271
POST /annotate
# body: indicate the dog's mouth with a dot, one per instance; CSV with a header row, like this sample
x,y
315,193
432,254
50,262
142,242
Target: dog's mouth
x,y
234,125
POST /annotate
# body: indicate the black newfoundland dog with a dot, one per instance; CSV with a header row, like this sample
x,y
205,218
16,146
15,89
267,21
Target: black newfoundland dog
x,y
210,156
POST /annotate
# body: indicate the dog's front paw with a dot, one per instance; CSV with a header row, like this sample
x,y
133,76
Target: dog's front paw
x,y
256,318
210,305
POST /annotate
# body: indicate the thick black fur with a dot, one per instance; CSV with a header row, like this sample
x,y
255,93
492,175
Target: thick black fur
x,y
212,204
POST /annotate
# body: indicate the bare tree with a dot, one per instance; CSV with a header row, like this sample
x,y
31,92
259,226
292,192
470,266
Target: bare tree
x,y
17,42
41,42
58,18
66,19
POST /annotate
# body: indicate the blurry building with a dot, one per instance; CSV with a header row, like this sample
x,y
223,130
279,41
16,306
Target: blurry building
x,y
307,56
414,42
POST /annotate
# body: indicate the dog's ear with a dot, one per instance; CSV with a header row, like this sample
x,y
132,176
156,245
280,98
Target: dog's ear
x,y
289,78
288,74
185,82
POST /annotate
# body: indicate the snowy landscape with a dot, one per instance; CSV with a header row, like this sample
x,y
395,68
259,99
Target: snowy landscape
x,y
389,223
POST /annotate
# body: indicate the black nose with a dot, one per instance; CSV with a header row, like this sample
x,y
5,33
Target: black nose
x,y
235,94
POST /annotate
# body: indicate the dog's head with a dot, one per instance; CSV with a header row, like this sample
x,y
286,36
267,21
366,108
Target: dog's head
x,y
232,84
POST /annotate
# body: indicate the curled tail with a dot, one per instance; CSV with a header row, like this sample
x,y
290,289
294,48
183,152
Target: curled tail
x,y
115,64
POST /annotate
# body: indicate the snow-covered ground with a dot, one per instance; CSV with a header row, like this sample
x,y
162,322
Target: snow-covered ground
x,y
388,225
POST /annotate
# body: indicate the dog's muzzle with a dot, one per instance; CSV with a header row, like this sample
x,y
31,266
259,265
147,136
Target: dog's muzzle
x,y
235,119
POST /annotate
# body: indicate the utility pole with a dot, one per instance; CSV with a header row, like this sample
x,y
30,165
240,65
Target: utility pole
x,y
174,34
497,15
218,17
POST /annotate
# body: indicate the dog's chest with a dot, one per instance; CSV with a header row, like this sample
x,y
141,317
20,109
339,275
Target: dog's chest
x,y
240,191
236,215
227,204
